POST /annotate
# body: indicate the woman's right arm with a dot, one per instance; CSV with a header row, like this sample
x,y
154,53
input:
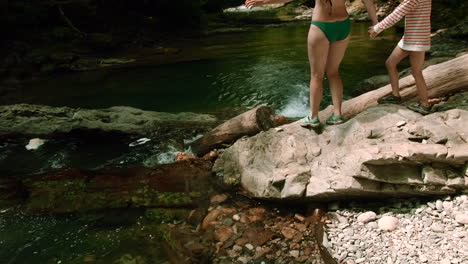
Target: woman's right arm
x,y
257,3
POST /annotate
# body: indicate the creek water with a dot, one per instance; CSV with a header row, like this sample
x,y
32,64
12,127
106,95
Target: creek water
x,y
237,71
241,70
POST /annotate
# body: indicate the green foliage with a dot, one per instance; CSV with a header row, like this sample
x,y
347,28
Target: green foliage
x,y
448,13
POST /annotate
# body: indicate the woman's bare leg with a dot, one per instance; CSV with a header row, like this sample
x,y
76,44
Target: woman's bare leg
x,y
335,56
317,47
417,63
392,62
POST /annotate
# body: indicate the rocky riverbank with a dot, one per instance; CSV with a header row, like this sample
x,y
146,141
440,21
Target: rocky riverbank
x,y
399,231
384,231
229,227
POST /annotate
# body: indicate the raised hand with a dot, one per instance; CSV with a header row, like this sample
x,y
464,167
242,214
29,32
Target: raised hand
x,y
255,3
372,33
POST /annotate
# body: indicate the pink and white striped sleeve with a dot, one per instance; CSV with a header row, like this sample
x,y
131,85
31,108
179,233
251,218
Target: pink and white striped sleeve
x,y
402,10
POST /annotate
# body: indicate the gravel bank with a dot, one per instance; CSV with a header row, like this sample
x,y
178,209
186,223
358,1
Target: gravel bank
x,y
402,231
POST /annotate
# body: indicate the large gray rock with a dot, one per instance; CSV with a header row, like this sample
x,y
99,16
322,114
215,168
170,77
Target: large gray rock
x,y
383,151
43,120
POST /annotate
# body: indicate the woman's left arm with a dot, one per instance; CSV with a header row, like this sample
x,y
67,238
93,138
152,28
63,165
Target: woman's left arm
x,y
371,11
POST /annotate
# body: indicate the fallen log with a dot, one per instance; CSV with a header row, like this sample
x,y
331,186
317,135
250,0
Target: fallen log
x,y
447,77
180,184
258,119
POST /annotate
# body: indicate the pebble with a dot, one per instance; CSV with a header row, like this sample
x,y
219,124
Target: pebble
x,y
360,260
438,228
462,219
236,217
294,253
388,223
372,225
366,217
249,246
423,258
237,248
447,205
243,260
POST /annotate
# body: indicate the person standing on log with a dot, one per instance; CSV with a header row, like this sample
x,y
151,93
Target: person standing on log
x,y
415,42
327,42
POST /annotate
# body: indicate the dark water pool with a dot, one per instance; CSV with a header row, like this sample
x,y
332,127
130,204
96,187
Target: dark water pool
x,y
241,70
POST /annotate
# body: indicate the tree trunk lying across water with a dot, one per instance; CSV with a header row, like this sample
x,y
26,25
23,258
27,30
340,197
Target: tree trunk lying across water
x,y
258,119
180,184
444,78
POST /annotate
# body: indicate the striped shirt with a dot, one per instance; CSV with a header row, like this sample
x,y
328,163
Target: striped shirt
x,y
417,24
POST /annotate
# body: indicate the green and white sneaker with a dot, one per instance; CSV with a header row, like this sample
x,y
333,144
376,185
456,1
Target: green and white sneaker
x,y
389,99
335,120
308,121
420,108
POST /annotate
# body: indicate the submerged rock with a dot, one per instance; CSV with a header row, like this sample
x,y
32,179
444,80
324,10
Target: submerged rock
x,y
181,184
368,156
43,120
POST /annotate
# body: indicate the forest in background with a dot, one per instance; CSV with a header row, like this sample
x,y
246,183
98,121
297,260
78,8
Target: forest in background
x,y
36,22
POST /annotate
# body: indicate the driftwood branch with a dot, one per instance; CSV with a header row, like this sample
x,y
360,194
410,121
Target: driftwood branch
x,y
59,5
68,21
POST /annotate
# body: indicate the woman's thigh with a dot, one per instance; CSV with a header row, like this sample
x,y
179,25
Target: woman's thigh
x,y
417,60
335,55
317,47
396,56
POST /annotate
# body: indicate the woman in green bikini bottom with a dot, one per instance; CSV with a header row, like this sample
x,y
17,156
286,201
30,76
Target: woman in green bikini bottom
x,y
327,42
334,31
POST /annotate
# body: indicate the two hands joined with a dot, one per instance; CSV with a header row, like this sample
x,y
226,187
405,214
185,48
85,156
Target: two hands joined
x,y
372,33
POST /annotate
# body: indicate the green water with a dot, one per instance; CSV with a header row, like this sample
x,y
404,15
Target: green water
x,y
100,238
233,71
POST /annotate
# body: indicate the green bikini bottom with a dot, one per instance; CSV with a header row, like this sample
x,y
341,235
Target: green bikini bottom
x,y
334,31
